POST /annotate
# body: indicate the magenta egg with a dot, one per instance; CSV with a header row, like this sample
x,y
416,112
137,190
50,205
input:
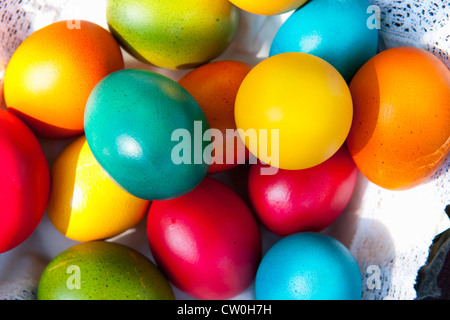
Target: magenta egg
x,y
24,181
207,242
290,201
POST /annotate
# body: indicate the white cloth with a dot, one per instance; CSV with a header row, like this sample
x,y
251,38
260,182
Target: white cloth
x,y
416,23
389,230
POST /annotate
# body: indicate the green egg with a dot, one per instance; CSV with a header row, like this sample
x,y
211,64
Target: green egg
x,y
175,34
101,270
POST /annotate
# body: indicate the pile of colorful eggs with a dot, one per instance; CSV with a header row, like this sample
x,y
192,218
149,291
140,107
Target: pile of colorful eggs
x,y
323,107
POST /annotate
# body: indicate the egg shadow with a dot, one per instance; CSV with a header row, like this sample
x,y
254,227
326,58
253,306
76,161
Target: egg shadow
x,y
52,150
37,126
345,225
376,255
364,123
236,178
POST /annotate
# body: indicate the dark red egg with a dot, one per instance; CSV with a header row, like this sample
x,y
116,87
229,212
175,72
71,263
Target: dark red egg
x,y
291,201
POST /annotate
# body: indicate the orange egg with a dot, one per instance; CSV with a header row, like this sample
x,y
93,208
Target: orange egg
x,y
215,86
400,133
51,74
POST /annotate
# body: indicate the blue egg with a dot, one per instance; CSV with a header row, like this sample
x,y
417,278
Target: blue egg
x,y
308,266
146,132
344,33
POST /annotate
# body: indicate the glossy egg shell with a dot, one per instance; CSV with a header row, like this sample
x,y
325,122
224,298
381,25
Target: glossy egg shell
x,y
215,86
339,32
400,133
174,34
24,181
100,270
207,242
268,7
292,201
84,204
299,108
308,266
131,123
51,74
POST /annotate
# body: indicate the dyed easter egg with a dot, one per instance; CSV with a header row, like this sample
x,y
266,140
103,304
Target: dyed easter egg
x,y
24,181
146,132
308,266
51,74
268,7
207,242
344,33
400,134
100,270
292,201
215,86
84,203
294,111
174,34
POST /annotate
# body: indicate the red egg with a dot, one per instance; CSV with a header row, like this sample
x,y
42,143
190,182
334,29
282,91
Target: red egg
x,y
292,201
207,242
24,181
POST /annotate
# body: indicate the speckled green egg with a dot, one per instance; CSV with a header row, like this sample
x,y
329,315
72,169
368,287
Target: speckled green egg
x,y
101,270
175,34
148,134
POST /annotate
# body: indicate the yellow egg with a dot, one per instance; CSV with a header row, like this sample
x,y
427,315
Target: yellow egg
x,y
268,7
84,203
294,111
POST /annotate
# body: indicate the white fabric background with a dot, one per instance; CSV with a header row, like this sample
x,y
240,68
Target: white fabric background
x,y
391,230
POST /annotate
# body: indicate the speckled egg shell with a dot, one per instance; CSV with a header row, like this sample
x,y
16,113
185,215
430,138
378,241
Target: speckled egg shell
x,y
400,134
131,123
174,34
100,270
340,32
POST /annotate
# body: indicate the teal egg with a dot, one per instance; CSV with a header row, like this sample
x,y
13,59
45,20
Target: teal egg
x,y
344,33
100,270
146,132
308,266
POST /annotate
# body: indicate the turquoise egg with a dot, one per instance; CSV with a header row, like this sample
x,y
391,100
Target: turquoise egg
x,y
308,266
344,33
146,132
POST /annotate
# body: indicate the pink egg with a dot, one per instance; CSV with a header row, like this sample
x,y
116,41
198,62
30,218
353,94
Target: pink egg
x,y
24,182
207,242
291,201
